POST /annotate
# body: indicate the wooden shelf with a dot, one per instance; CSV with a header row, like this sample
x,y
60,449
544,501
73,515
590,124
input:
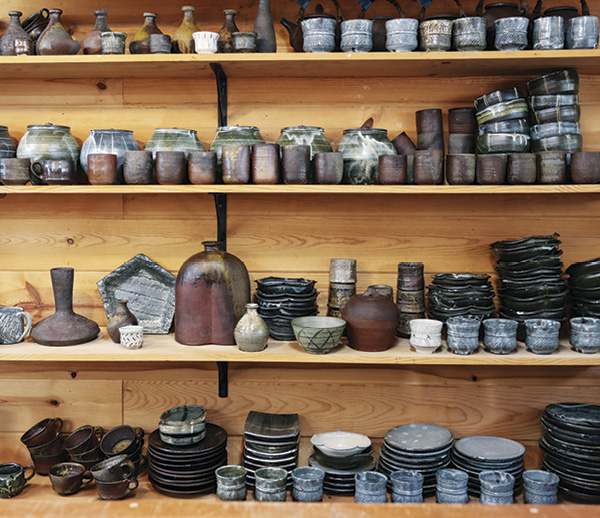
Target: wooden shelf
x,y
301,189
164,349
377,64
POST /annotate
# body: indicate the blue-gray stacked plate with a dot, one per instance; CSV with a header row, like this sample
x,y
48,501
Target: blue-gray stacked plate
x,y
584,285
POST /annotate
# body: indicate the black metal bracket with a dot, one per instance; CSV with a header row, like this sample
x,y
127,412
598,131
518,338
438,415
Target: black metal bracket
x,y
221,208
223,379
221,92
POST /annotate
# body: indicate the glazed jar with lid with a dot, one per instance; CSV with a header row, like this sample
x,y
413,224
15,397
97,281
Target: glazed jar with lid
x,y
7,144
239,135
113,141
174,139
361,149
307,135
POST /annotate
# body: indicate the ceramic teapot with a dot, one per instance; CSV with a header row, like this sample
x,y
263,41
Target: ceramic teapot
x,y
295,29
379,32
564,11
497,10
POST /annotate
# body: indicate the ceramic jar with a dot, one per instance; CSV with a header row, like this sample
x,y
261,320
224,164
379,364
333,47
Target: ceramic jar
x,y
182,41
401,35
235,135
7,144
140,44
121,317
361,149
372,321
112,141
48,142
211,293
174,139
92,43
55,40
13,32
251,332
306,135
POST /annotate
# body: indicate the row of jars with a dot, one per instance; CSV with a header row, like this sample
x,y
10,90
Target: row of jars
x,y
361,148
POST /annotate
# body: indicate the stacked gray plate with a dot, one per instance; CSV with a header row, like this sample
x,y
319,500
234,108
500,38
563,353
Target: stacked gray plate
x,y
421,447
270,441
482,453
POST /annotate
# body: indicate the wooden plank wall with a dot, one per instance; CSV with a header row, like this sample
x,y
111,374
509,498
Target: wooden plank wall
x,y
274,235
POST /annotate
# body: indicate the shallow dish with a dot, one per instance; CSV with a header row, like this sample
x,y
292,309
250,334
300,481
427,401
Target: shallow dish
x,y
502,143
487,448
272,427
553,129
340,443
419,437
506,110
183,420
540,102
498,96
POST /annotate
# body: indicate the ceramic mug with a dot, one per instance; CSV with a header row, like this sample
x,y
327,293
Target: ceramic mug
x,y
14,325
132,337
14,171
113,469
54,172
116,490
13,479
113,42
69,477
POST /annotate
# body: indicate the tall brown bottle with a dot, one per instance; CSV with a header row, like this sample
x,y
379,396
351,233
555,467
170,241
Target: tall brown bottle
x,y
182,41
225,42
141,41
211,293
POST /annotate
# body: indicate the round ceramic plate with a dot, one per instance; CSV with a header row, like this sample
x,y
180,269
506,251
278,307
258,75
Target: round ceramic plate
x,y
486,448
269,460
488,464
402,455
419,438
564,81
185,459
269,453
509,126
367,465
498,96
584,267
216,437
182,493
578,414
578,438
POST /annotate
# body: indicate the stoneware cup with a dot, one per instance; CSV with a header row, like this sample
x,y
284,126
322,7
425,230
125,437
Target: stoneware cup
x,y
43,432
307,484
236,163
14,171
116,490
231,483
470,34
410,276
138,168
342,271
497,487
113,469
428,167
549,33
329,168
540,487
113,42
265,164
401,34
296,164
271,485
500,335
436,35
451,486
585,167
202,167
102,168
521,168
244,42
121,440
392,169
319,34
460,169
13,479
14,325
407,486
491,169
552,167
542,335
83,439
511,33
462,335
132,337
160,44
68,478
171,167
370,488
585,334
426,335
205,42
357,36
55,172
582,33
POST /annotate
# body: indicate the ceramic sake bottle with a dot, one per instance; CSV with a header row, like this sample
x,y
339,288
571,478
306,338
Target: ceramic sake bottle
x,y
263,27
140,44
92,44
251,332
13,32
55,40
182,41
225,42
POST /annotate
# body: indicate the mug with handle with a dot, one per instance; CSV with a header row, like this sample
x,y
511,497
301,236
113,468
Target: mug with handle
x,y
14,325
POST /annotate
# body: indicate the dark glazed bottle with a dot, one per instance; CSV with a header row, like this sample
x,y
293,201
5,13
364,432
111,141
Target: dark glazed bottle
x,y
182,41
92,44
13,32
140,44
55,40
263,27
225,42
121,317
65,327
211,294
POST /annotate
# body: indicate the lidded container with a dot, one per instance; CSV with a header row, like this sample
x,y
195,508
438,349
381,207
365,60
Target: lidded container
x,y
7,144
112,141
312,136
235,135
174,139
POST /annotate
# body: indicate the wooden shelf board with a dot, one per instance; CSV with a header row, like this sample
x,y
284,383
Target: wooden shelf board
x,y
377,64
301,189
164,349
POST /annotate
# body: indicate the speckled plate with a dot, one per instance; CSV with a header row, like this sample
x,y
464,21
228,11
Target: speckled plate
x,y
578,414
486,448
419,437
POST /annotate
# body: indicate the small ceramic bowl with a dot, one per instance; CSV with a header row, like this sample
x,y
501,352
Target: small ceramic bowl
x,y
585,335
206,42
183,425
340,443
132,337
426,335
318,335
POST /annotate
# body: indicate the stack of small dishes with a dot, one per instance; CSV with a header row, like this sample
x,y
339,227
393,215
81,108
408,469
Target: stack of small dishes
x,y
270,441
460,294
181,471
584,284
420,447
341,455
555,112
183,425
531,274
502,118
280,300
484,453
571,447
125,440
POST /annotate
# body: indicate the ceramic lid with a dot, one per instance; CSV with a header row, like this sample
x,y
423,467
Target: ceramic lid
x,y
365,131
48,125
308,129
236,128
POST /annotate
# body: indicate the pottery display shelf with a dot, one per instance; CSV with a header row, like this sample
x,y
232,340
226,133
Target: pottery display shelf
x,y
164,349
338,64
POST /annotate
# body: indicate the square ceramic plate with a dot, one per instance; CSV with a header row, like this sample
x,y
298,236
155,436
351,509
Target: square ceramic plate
x,y
149,290
272,427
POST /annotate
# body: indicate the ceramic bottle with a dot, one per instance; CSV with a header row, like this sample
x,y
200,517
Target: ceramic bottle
x,y
13,32
225,42
140,44
182,41
92,44
121,317
263,27
55,40
251,332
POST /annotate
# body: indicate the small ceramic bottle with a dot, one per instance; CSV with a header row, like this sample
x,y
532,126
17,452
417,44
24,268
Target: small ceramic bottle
x,y
225,42
140,44
55,40
92,43
251,332
13,32
182,41
263,27
121,317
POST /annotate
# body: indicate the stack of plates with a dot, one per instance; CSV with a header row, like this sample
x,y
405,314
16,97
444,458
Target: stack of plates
x,y
571,447
532,278
555,112
461,294
482,453
341,481
421,447
281,300
270,441
187,470
502,118
584,284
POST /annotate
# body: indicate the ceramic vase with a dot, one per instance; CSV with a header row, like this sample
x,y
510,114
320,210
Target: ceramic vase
x,y
140,44
263,27
55,40
225,41
92,43
121,317
182,41
251,332
13,32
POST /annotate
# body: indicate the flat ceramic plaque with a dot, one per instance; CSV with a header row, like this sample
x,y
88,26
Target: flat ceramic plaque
x,y
484,448
149,290
419,437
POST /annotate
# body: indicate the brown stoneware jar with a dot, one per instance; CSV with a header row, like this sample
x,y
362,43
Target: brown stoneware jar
x,y
372,321
140,44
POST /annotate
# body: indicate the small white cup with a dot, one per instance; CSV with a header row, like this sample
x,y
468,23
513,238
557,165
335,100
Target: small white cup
x,y
206,42
132,337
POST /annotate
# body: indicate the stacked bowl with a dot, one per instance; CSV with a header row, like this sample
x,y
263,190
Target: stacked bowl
x,y
341,455
280,300
531,275
584,285
419,447
555,112
571,447
460,294
125,440
483,453
83,445
183,425
410,297
45,444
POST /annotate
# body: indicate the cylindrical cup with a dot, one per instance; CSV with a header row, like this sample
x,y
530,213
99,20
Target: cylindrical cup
x,y
461,143
460,169
307,484
511,33
244,42
500,335
113,42
404,145
138,168
462,335
436,35
370,487
236,164
384,289
462,120
340,293
582,33
357,36
231,483
102,168
497,487
202,167
521,168
160,44
132,337
342,270
410,276
295,164
429,121
171,167
411,301
542,335
329,168
265,164
392,169
433,141
540,487
270,484
451,486
14,324
401,34
407,486
428,167
319,34
491,169
552,167
549,33
470,34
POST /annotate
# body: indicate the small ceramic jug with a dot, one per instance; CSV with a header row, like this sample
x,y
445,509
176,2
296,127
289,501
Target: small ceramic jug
x,y
251,332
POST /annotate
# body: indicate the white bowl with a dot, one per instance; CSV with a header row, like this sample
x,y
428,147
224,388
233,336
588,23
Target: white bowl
x,y
340,444
205,42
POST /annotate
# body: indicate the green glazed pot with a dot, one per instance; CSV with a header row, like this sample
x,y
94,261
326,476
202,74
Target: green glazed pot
x,y
307,135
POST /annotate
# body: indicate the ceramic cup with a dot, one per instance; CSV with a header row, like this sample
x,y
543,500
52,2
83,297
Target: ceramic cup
x,y
53,447
436,35
116,490
384,289
491,169
428,167
460,169
461,143
585,334
549,33
43,432
511,33
132,337
205,42
202,167
113,42
271,485
497,487
83,439
171,167
319,34
342,270
407,486
340,293
410,276
14,171
500,335
426,335
296,164
236,163
470,34
307,484
552,167
392,169
370,488
14,325
231,483
521,168
55,172
160,44
462,335
68,478
329,167
540,487
244,42
542,335
357,36
265,164
13,479
113,469
582,32
138,168
401,34
102,168
451,486
411,301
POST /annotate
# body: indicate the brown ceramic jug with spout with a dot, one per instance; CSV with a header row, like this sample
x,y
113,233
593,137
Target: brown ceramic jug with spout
x,y
372,321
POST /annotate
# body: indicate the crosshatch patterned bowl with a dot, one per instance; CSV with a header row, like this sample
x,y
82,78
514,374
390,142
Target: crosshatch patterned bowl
x,y
318,335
